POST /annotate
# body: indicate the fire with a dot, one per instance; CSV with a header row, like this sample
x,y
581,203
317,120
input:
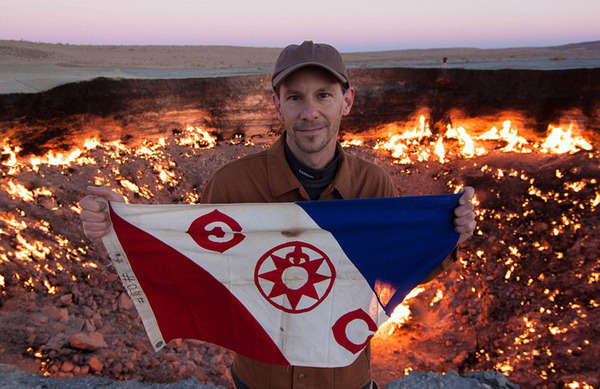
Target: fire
x,y
438,296
515,143
48,258
17,190
469,150
402,142
560,141
351,143
197,138
9,157
578,385
402,312
399,144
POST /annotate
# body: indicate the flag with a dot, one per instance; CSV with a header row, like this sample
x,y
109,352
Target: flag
x,y
282,283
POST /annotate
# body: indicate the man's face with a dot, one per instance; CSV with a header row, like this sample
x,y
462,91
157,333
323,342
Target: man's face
x,y
310,106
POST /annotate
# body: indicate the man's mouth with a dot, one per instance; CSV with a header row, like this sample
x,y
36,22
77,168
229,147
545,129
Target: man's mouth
x,y
312,129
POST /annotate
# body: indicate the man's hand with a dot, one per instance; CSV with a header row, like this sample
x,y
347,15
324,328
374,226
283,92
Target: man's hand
x,y
94,215
464,217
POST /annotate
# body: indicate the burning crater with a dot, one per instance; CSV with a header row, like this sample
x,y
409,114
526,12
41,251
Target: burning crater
x,y
523,297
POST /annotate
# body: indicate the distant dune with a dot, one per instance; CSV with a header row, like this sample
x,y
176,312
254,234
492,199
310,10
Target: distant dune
x,y
32,67
209,57
593,45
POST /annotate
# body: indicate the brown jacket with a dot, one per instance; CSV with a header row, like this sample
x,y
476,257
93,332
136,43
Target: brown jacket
x,y
266,177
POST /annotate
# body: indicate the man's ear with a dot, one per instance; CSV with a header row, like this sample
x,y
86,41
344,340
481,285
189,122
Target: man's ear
x,y
348,101
277,105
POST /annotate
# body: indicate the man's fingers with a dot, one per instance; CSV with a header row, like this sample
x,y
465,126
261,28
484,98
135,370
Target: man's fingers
x,y
95,235
91,203
467,195
89,216
465,209
94,216
465,220
95,226
465,228
463,238
106,193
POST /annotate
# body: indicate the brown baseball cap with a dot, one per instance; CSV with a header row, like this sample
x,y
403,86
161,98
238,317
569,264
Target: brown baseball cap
x,y
294,57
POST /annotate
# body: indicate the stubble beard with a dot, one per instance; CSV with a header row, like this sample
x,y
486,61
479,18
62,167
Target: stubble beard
x,y
314,143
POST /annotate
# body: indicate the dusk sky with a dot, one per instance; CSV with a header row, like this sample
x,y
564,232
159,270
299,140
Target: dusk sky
x,y
350,25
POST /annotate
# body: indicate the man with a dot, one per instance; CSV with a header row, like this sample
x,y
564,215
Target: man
x,y
312,93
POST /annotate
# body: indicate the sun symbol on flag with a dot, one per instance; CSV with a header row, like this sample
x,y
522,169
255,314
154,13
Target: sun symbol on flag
x,y
297,270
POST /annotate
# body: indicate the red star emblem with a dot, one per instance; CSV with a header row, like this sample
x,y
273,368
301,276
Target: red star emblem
x,y
294,269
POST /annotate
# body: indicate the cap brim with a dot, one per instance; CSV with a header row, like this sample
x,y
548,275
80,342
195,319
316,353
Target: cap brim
x,y
283,74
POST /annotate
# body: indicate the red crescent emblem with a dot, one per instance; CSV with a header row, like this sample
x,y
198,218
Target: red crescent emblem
x,y
209,235
294,277
340,326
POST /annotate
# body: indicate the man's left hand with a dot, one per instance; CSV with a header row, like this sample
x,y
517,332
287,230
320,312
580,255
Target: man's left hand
x,y
464,217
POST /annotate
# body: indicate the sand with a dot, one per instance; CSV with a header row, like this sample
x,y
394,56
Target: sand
x,y
27,67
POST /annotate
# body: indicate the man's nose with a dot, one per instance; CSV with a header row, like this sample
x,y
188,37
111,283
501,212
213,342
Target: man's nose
x,y
310,110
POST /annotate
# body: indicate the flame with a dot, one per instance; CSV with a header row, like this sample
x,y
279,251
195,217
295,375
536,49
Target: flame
x,y
16,190
398,144
439,150
401,143
438,296
9,155
351,142
560,141
402,312
51,289
197,138
504,367
578,385
515,143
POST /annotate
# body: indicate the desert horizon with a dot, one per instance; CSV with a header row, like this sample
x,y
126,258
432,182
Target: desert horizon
x,y
30,67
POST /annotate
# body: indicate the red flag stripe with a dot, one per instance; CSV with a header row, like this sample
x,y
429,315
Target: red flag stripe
x,y
187,301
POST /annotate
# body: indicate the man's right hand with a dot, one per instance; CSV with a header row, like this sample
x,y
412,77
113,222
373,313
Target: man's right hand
x,y
94,215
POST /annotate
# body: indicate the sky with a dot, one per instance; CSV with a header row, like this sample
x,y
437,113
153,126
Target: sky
x,y
367,25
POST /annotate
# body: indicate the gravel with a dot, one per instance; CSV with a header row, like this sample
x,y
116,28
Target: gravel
x,y
13,378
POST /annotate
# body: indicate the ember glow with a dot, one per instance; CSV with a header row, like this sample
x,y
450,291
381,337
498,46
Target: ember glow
x,y
502,306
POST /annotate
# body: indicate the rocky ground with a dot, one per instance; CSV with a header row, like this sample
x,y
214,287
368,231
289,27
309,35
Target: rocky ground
x,y
12,378
522,299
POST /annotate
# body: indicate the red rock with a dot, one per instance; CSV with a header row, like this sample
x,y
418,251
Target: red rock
x,y
39,318
89,326
125,302
95,364
460,358
85,369
58,314
67,366
66,299
91,341
117,368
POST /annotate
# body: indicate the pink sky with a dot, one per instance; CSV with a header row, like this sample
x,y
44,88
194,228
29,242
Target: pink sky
x,y
351,26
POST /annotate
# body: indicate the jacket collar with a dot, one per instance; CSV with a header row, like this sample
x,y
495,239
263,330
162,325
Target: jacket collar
x,y
282,180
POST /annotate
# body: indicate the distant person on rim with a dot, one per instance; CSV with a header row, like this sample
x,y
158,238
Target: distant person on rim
x,y
311,94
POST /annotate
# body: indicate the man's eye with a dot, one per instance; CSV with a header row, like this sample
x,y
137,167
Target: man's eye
x,y
324,95
293,97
